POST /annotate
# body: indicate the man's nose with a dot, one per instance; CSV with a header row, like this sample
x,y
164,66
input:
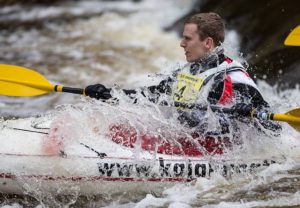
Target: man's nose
x,y
182,43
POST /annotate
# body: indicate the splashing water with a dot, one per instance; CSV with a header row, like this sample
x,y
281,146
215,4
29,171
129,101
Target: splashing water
x,y
275,185
108,48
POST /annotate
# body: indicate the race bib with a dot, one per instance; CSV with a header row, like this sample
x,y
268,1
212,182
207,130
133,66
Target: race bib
x,y
187,88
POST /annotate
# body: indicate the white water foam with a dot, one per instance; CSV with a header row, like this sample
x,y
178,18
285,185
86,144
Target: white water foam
x,y
110,49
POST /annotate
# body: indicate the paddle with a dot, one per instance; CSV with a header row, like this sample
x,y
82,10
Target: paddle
x,y
20,81
293,39
292,117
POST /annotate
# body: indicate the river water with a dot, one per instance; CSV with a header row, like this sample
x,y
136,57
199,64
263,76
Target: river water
x,y
123,43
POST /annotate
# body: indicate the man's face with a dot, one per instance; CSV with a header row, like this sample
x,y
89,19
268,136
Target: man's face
x,y
194,48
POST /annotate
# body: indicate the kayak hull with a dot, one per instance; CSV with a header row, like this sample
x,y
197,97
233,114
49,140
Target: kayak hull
x,y
96,166
94,175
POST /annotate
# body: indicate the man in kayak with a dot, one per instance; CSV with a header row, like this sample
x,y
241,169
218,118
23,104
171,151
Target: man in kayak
x,y
209,78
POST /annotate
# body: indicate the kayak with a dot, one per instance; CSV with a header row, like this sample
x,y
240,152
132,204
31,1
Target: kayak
x,y
192,145
113,162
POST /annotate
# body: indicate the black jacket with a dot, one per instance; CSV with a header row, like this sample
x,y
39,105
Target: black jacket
x,y
243,93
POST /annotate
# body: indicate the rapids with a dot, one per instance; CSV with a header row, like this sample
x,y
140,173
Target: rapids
x,y
123,44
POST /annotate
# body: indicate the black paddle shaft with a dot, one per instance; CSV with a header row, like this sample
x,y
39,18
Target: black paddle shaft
x,y
73,90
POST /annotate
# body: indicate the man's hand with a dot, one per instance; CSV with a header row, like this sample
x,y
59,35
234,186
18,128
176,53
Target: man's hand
x,y
98,91
243,109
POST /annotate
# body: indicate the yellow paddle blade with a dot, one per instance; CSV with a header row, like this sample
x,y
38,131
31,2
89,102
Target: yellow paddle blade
x,y
20,81
292,117
293,39
295,113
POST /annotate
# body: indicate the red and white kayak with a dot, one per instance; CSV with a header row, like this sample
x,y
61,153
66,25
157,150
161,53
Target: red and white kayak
x,y
117,161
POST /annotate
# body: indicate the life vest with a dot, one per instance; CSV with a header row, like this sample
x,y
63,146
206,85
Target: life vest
x,y
190,89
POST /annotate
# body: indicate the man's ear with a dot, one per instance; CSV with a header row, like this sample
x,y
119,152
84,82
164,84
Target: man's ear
x,y
209,43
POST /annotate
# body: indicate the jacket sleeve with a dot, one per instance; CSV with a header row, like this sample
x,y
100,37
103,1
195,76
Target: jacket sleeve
x,y
250,95
152,93
241,89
